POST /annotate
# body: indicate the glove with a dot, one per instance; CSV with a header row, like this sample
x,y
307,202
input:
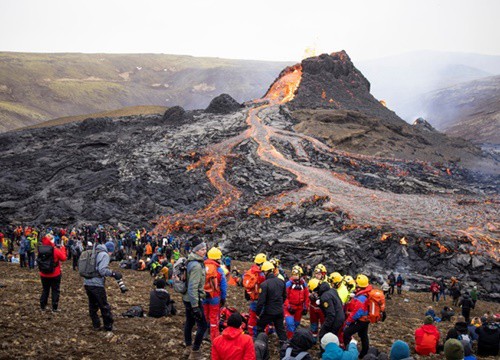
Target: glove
x,y
222,302
117,275
384,316
197,314
291,310
354,341
304,312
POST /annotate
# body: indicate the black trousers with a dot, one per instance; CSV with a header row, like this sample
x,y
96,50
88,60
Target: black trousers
x,y
49,284
201,327
98,301
360,328
277,320
75,261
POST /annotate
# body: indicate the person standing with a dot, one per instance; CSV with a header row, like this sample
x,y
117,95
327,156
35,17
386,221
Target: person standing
x,y
76,251
297,302
466,303
49,262
435,290
33,240
332,308
95,287
442,289
392,282
252,279
192,299
272,296
215,290
474,294
24,245
399,284
357,321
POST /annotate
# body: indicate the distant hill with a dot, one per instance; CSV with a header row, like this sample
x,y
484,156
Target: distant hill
x,y
470,110
403,80
39,87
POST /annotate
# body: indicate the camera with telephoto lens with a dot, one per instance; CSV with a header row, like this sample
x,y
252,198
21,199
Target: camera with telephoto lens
x,y
122,286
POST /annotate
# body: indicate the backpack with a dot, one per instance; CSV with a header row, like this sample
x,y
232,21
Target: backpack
x,y
299,356
45,259
87,264
134,311
376,305
211,279
251,284
179,275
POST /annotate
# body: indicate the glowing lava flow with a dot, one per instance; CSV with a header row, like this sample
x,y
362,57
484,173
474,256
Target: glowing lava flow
x,y
437,213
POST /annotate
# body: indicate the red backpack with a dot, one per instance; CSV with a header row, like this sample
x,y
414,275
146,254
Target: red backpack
x,y
251,284
376,305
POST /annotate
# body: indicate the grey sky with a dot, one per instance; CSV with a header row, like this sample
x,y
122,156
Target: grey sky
x,y
257,29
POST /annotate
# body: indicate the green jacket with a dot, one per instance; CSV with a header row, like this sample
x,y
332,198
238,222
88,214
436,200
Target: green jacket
x,y
195,280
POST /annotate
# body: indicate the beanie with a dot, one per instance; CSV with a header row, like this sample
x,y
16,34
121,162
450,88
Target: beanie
x,y
453,350
198,244
428,320
160,283
399,350
329,338
235,320
110,246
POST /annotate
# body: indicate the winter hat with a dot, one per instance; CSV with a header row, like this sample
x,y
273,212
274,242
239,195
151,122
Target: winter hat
x,y
110,246
235,320
428,320
453,350
329,338
399,350
160,283
198,244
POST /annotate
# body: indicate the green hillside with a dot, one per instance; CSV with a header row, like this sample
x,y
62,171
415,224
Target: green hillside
x,y
39,87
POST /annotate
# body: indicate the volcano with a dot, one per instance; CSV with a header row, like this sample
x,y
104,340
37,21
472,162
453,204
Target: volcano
x,y
246,178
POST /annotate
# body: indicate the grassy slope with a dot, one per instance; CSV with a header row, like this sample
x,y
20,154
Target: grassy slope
x,y
38,87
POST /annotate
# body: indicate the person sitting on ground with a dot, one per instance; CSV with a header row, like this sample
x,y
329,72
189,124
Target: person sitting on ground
x,y
333,351
233,344
427,337
300,343
453,350
474,324
447,313
488,338
459,331
261,347
430,312
400,351
468,355
160,303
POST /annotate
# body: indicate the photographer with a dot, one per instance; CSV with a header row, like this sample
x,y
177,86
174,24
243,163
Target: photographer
x,y
96,291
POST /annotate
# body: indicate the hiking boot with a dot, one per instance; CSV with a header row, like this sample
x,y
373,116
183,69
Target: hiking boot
x,y
195,355
56,310
186,352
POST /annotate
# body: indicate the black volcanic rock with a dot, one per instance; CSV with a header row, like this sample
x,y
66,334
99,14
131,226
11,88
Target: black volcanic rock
x,y
174,114
223,104
333,82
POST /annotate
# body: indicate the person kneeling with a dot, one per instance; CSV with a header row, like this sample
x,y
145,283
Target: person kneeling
x,y
159,301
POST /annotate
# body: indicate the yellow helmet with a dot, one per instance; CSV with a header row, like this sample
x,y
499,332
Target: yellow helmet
x,y
267,265
349,280
313,284
320,268
214,253
297,270
335,278
260,258
362,281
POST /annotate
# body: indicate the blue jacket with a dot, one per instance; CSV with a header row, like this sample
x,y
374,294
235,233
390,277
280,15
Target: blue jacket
x,y
334,352
223,290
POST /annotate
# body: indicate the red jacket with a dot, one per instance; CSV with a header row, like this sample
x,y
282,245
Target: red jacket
x,y
426,339
233,344
59,255
297,293
358,306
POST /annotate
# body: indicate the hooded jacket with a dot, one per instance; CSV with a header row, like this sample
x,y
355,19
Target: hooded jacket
x,y
426,339
488,340
334,352
102,266
272,296
358,306
261,347
233,344
59,256
159,299
301,341
195,280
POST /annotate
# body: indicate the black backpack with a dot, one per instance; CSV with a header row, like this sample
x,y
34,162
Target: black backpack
x,y
45,259
87,264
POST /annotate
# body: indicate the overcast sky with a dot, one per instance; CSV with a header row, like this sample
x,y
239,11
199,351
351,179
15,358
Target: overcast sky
x,y
254,29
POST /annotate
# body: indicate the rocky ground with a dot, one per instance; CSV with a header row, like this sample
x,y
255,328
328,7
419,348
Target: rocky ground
x,y
31,334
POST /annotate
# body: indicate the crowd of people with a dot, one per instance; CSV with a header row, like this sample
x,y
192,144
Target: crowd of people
x,y
339,306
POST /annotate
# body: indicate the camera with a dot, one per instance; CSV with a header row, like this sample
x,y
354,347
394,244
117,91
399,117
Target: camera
x,y
122,286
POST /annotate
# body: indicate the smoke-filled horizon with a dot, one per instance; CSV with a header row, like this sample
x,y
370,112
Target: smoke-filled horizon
x,y
258,30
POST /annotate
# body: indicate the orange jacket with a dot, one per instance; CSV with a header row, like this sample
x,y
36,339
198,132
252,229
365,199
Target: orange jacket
x,y
149,249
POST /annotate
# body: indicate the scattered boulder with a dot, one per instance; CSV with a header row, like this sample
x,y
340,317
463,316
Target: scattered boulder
x,y
223,104
174,114
423,124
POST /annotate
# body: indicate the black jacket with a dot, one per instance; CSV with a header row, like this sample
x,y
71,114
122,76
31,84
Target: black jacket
x,y
159,301
331,306
272,296
489,338
466,302
301,341
460,328
261,347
